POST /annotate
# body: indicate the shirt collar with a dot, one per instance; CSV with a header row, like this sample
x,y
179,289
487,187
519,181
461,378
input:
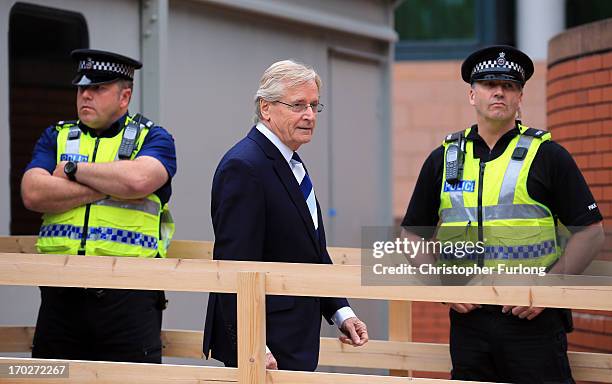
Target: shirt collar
x,y
284,150
111,131
473,135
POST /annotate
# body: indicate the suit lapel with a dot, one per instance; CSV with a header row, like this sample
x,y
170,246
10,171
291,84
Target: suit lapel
x,y
286,177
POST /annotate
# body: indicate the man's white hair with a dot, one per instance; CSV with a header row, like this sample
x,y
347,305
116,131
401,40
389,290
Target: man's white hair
x,y
278,78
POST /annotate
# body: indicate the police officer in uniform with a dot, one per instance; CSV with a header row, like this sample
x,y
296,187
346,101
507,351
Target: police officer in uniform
x,y
496,174
102,183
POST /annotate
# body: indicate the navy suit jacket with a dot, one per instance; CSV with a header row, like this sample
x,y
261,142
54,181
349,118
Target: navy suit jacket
x,y
259,214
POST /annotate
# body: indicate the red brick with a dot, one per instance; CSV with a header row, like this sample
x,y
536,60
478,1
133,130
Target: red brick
x,y
595,160
606,159
554,73
602,77
588,63
604,209
557,87
569,67
597,192
601,177
586,80
607,93
594,128
588,112
595,95
582,97
603,144
606,60
588,145
606,127
601,111
558,134
607,193
581,160
556,118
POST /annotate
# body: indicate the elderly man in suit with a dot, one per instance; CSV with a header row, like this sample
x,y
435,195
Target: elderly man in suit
x,y
264,209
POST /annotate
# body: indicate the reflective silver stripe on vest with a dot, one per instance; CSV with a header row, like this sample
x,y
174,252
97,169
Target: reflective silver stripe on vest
x,y
456,198
494,212
72,146
143,205
508,187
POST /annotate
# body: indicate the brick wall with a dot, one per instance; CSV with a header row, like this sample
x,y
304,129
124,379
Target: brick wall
x,y
579,111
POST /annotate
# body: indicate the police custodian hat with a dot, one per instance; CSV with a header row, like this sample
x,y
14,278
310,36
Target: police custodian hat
x,y
98,67
497,62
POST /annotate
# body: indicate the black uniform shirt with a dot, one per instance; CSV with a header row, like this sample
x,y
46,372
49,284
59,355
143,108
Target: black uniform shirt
x,y
554,180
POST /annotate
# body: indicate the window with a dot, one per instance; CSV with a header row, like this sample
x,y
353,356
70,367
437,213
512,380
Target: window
x,y
451,29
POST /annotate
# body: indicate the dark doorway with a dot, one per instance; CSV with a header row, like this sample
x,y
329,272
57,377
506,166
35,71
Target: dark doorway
x,y
40,94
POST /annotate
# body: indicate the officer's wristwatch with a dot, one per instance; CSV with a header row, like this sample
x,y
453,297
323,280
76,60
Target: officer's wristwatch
x,y
70,170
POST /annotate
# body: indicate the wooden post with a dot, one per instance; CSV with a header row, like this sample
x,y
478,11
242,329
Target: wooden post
x,y
251,327
400,327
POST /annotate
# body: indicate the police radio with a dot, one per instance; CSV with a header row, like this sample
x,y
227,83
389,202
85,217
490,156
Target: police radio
x,y
454,158
128,142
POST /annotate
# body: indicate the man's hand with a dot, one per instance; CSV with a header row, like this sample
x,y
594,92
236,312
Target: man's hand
x,y
59,170
271,361
523,312
355,332
464,307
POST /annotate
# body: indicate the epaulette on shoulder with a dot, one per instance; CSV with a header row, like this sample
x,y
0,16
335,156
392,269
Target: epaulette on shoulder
x,y
65,124
140,119
454,136
535,132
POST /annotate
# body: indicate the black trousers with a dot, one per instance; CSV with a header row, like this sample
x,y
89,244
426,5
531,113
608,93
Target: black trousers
x,y
487,345
99,324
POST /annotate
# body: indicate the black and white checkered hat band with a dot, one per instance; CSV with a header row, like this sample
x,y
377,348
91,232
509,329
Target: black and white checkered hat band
x,y
107,66
493,64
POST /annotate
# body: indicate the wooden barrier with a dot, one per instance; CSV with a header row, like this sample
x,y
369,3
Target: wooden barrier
x,y
252,281
381,354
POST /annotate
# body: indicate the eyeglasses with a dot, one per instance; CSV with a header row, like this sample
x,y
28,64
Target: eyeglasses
x,y
300,107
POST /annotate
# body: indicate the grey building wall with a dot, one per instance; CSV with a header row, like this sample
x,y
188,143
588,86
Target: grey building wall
x,y
213,56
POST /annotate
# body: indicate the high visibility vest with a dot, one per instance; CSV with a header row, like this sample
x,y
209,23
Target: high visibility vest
x,y
108,227
491,204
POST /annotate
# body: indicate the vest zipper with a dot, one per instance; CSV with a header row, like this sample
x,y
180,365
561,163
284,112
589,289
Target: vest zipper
x,y
88,207
480,226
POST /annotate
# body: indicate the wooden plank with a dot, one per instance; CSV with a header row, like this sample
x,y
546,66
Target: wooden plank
x,y
18,244
383,354
179,249
186,249
378,354
179,343
281,279
588,366
400,327
86,372
293,377
345,256
16,339
192,249
251,327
